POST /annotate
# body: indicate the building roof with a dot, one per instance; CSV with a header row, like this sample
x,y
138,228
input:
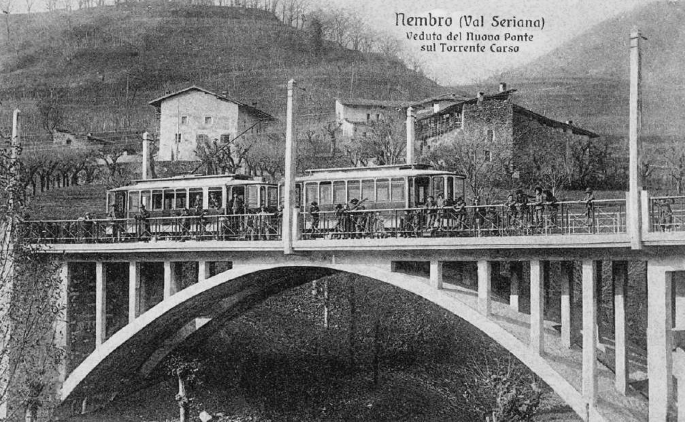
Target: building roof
x,y
252,110
504,95
361,102
449,96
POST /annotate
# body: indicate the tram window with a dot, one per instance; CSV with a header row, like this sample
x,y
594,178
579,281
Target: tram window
x,y
368,190
215,198
397,187
339,193
438,186
353,189
133,201
157,200
168,199
421,192
450,188
262,196
196,197
145,198
325,193
311,193
181,199
251,200
272,198
382,190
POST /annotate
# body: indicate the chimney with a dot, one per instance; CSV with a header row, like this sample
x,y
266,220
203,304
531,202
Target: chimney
x,y
224,94
502,86
480,96
436,107
569,122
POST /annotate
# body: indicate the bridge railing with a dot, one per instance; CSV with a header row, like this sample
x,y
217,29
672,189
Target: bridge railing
x,y
181,228
561,218
667,213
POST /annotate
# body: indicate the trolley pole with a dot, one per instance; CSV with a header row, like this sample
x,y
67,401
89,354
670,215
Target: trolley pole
x,y
290,169
634,143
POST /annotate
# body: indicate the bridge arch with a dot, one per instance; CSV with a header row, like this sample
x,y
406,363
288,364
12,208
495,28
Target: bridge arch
x,y
229,294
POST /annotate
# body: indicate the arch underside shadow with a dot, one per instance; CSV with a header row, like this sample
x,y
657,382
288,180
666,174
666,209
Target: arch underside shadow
x,y
117,364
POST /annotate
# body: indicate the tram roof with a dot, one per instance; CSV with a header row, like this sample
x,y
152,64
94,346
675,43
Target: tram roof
x,y
189,181
397,170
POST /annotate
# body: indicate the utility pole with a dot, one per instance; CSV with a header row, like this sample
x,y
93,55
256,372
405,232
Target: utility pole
x,y
290,169
7,276
411,120
634,143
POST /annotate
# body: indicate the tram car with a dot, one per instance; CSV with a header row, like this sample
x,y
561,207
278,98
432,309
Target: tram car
x,y
175,201
374,193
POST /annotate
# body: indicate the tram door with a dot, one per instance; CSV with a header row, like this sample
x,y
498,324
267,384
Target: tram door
x,y
117,204
236,190
421,188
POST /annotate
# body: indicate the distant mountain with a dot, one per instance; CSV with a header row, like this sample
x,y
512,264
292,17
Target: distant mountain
x,y
587,79
105,63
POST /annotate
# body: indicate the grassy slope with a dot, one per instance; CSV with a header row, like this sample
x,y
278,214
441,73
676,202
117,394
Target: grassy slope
x,y
246,52
586,80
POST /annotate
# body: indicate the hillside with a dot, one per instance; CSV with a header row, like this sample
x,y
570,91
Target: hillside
x,y
102,65
587,79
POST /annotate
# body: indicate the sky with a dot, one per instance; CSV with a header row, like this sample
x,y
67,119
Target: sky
x,y
563,19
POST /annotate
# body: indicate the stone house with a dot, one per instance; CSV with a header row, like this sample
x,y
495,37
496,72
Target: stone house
x,y
194,115
355,115
493,124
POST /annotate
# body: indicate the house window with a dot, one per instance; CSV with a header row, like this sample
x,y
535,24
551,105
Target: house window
x,y
368,117
225,138
208,120
201,139
490,135
378,116
487,158
184,120
177,137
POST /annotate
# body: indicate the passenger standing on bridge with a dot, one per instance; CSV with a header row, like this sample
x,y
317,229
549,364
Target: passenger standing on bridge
x,y
314,212
460,213
538,206
512,212
340,218
552,206
432,210
440,202
478,213
589,200
522,204
185,224
144,217
665,214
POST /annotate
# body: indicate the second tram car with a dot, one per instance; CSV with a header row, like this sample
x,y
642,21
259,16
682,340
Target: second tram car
x,y
381,187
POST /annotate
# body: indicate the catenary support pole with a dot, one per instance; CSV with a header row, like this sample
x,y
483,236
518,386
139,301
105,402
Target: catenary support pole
x,y
290,170
635,146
